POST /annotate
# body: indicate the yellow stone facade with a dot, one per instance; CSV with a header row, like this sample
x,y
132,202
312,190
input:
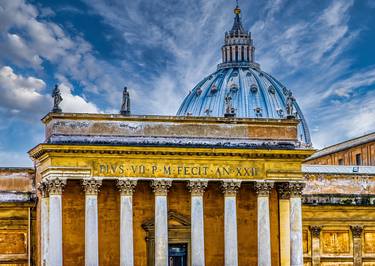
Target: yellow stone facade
x,y
338,210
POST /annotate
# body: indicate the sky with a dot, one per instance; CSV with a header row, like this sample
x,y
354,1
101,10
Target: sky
x,y
321,50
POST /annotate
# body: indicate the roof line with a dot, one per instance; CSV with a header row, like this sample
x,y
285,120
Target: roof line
x,y
341,145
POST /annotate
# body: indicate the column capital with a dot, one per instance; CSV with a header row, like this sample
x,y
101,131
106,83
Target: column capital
x,y
230,188
56,186
91,185
43,188
283,190
356,230
296,189
197,187
126,186
263,188
161,186
315,230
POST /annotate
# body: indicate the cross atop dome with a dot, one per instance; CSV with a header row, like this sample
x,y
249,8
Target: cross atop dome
x,y
237,25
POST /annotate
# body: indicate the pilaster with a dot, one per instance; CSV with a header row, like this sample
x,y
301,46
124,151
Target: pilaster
x,y
284,222
315,244
357,244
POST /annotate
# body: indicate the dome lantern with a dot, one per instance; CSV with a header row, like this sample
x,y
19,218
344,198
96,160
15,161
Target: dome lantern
x,y
238,48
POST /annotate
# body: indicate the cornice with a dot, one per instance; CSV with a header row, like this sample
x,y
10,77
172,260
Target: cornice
x,y
175,119
43,149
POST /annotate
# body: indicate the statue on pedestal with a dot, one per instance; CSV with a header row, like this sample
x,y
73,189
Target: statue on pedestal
x,y
57,99
125,107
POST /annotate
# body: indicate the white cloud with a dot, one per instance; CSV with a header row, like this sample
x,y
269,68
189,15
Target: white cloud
x,y
21,94
28,40
344,120
26,96
74,103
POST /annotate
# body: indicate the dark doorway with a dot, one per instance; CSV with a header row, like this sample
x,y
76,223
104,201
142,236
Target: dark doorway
x,y
177,254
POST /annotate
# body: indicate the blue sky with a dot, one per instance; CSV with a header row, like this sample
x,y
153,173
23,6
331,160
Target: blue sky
x,y
322,50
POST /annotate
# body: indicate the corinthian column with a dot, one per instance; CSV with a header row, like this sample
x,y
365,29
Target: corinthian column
x,y
284,221
230,189
161,188
91,187
264,228
296,250
126,187
197,224
55,252
43,188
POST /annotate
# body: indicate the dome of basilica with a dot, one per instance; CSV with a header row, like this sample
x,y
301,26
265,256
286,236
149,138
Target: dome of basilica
x,y
239,88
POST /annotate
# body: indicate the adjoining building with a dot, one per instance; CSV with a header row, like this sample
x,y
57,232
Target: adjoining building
x,y
224,182
357,151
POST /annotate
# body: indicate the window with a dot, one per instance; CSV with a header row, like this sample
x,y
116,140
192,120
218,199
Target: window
x,y
358,160
177,254
341,161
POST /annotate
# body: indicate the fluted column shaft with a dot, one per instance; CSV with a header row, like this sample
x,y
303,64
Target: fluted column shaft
x,y
126,187
55,251
264,227
197,223
230,189
296,247
91,187
161,188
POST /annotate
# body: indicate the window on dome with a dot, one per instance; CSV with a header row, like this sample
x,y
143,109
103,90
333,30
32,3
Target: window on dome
x,y
254,88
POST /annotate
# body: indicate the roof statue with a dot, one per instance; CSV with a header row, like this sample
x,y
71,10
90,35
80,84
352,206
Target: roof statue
x,y
229,110
253,92
125,107
57,99
289,105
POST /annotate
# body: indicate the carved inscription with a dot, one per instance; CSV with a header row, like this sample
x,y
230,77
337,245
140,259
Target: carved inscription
x,y
174,170
335,242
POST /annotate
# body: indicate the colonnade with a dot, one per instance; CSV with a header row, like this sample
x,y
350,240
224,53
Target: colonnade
x,y
290,221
